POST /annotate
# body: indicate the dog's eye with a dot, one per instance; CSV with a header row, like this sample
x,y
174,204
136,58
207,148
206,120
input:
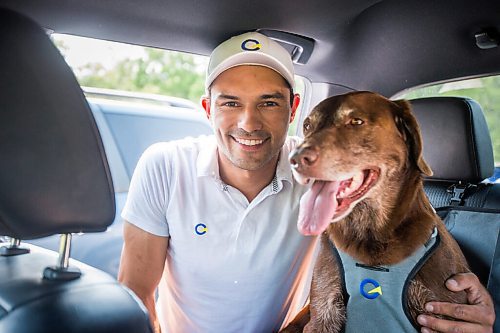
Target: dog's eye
x,y
356,122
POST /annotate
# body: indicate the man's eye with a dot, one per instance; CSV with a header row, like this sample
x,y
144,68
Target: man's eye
x,y
230,104
270,103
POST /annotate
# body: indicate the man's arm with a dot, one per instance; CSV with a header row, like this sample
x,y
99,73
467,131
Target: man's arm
x,y
478,316
141,265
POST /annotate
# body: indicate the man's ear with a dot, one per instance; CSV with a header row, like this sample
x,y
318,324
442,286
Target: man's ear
x,y
205,103
295,105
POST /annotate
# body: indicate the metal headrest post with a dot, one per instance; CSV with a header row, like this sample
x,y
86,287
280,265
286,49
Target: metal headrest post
x,y
62,271
13,249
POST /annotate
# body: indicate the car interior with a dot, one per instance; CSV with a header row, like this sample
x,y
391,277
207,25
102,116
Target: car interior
x,y
40,291
55,178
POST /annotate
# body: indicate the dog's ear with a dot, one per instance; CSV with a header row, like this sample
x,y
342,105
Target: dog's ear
x,y
410,131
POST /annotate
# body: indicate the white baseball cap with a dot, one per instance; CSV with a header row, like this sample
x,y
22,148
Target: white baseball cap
x,y
251,48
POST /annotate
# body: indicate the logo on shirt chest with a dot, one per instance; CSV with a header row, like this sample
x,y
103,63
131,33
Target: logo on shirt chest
x,y
200,229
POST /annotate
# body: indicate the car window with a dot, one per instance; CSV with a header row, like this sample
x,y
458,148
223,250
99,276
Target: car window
x,y
136,127
485,91
133,68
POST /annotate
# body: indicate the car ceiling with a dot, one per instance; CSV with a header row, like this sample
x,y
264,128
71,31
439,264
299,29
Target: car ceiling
x,y
385,46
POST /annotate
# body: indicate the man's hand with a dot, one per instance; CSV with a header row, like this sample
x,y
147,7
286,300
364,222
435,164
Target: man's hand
x,y
476,317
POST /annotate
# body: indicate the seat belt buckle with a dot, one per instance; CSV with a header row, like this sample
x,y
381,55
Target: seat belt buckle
x,y
458,193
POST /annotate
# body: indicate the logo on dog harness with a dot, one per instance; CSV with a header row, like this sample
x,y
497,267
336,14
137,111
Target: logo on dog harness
x,y
251,45
370,288
200,229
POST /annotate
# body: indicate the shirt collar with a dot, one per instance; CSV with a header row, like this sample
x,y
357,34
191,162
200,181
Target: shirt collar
x,y
207,163
284,171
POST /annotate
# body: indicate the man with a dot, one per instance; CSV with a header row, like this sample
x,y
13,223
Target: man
x,y
212,221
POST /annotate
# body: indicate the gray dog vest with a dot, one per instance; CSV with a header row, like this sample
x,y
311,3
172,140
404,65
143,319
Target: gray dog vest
x,y
377,295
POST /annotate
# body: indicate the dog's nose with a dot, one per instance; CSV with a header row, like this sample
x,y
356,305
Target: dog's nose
x,y
303,157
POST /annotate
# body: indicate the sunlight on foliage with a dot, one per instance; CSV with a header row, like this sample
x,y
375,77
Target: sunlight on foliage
x,y
155,71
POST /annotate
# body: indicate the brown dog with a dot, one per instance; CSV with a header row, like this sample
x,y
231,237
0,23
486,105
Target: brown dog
x,y
362,153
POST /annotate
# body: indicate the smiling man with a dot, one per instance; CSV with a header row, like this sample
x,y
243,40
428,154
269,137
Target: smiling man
x,y
212,221
250,118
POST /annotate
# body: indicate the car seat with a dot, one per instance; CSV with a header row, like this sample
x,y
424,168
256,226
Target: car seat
x,y
54,179
457,146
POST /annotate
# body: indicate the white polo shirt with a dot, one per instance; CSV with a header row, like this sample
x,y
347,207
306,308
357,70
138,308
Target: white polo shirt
x,y
232,266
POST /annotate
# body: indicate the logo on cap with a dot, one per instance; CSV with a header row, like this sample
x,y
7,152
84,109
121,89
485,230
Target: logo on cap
x,y
370,288
200,229
251,45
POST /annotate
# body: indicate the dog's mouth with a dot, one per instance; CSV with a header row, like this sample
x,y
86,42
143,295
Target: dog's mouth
x,y
328,201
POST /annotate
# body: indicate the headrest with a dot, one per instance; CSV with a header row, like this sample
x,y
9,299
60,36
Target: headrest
x,y
457,142
54,177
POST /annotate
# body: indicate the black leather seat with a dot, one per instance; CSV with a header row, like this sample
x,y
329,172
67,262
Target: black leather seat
x,y
54,179
457,146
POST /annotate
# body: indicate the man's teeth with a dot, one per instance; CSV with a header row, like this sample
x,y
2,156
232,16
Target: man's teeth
x,y
249,142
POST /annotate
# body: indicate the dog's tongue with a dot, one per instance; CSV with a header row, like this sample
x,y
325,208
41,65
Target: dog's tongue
x,y
317,207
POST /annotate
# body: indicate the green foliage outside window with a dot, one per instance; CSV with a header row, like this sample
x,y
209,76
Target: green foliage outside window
x,y
155,71
159,72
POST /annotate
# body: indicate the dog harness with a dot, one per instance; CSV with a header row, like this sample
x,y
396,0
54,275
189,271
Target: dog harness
x,y
377,295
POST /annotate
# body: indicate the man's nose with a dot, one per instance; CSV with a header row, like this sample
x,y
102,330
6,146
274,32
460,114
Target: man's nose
x,y
250,119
